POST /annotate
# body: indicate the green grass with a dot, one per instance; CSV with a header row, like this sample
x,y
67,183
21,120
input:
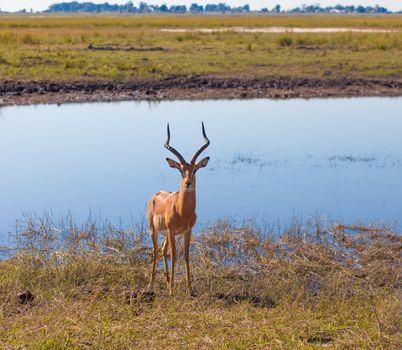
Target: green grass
x,y
56,48
312,288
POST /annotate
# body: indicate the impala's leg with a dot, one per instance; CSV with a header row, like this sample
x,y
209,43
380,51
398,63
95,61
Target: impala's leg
x,y
154,236
172,243
165,246
187,239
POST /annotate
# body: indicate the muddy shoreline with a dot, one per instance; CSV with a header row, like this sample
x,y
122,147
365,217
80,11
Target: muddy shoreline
x,y
192,88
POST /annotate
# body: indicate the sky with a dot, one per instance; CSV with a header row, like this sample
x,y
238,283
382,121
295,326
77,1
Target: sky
x,y
37,5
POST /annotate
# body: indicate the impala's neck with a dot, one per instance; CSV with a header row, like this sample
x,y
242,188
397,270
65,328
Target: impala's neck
x,y
187,201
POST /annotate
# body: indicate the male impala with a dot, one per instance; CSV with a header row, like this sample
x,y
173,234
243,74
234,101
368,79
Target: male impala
x,y
173,213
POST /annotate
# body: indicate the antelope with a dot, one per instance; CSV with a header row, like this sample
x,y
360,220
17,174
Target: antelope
x,y
173,213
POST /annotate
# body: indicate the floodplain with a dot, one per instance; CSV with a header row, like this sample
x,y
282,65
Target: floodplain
x,y
106,50
298,242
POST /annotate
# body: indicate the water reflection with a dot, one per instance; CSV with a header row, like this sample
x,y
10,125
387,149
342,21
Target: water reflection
x,y
269,159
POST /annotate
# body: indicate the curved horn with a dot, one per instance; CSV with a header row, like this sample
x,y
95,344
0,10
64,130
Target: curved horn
x,y
207,142
171,149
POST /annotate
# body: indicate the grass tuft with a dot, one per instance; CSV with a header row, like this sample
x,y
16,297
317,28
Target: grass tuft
x,y
285,40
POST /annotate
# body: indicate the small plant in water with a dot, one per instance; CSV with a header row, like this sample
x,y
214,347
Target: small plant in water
x,y
240,158
351,158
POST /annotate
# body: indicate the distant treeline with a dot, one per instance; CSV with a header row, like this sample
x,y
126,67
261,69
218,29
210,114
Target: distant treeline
x,y
143,7
129,7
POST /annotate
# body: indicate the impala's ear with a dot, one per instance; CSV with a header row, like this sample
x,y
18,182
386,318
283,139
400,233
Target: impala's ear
x,y
202,163
173,164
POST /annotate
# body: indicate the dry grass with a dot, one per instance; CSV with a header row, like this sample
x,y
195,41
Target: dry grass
x,y
56,48
201,21
314,287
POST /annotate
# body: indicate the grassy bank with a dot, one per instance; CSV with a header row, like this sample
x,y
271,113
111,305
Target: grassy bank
x,y
312,288
133,47
202,21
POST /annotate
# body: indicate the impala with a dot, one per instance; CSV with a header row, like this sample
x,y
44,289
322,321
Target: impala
x,y
173,213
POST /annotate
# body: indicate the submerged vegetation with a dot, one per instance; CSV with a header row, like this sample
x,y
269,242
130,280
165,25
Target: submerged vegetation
x,y
312,286
134,47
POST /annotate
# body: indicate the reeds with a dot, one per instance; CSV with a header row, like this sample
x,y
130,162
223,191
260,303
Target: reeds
x,y
309,285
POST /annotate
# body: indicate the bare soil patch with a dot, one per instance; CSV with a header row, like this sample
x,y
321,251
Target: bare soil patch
x,y
192,88
279,30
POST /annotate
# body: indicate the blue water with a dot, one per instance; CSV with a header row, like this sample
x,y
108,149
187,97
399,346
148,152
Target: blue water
x,y
270,160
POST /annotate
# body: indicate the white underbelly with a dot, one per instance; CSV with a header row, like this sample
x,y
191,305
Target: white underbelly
x,y
178,231
159,224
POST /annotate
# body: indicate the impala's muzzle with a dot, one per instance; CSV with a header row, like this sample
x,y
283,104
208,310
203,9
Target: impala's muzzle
x,y
188,184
